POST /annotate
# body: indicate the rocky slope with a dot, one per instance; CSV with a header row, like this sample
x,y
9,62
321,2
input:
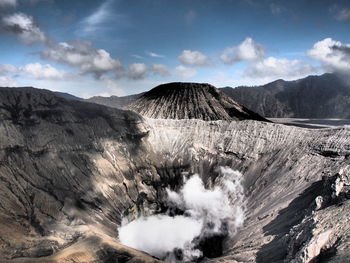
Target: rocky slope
x,y
190,101
67,175
70,171
325,96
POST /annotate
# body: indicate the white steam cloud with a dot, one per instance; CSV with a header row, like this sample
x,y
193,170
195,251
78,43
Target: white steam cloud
x,y
206,212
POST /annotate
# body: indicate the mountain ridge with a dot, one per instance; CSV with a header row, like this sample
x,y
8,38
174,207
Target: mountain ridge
x,y
324,96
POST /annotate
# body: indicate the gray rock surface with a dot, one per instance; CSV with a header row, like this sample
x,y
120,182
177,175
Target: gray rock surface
x,y
69,172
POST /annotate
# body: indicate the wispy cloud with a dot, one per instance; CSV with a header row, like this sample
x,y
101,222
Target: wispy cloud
x,y
154,55
97,19
276,9
190,16
137,56
343,14
340,13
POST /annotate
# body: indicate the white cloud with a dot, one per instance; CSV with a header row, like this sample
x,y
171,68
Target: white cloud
x,y
248,50
334,55
93,22
273,68
23,27
194,58
6,81
160,69
39,71
137,71
155,55
82,55
8,3
185,72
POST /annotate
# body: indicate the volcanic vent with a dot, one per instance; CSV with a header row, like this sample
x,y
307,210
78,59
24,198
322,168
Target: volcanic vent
x,y
180,100
195,222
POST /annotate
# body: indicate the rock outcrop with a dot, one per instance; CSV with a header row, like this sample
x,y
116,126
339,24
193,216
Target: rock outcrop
x,y
190,101
70,172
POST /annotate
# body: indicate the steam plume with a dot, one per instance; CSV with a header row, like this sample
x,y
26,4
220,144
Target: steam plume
x,y
206,213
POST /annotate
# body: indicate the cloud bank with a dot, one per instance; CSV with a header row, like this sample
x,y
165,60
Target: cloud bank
x,y
36,71
278,67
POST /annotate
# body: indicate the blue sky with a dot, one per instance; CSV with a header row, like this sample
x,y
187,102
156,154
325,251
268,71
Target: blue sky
x,y
121,47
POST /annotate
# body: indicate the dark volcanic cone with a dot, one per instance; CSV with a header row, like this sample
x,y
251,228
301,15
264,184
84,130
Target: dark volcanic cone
x,y
190,101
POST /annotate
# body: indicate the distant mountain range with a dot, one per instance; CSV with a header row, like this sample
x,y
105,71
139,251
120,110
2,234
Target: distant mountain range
x,y
115,101
67,96
325,96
